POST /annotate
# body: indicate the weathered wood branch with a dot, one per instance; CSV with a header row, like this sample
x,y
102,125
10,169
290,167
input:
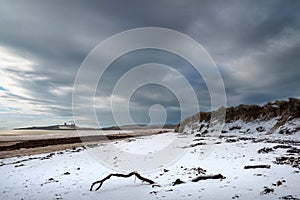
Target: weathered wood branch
x,y
100,182
216,176
177,182
257,166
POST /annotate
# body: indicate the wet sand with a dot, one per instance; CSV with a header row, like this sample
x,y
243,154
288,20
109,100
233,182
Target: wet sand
x,y
31,142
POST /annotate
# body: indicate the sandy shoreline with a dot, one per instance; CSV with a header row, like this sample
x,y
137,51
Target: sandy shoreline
x,y
37,142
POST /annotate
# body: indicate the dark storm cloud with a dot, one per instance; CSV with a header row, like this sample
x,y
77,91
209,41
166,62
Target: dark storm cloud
x,y
254,43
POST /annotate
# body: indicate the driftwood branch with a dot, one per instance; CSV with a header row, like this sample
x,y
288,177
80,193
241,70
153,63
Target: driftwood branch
x,y
257,166
216,176
177,182
100,182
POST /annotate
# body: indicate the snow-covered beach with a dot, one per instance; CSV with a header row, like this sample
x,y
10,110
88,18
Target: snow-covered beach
x,y
68,174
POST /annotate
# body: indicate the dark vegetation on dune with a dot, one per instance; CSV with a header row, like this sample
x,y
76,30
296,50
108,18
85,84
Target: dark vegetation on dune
x,y
285,110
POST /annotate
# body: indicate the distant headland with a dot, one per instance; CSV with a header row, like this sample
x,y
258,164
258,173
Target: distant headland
x,y
73,126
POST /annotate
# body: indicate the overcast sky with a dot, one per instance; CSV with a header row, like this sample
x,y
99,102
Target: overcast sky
x,y
255,45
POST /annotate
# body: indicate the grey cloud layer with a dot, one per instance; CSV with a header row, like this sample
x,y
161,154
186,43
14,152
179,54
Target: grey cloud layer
x,y
255,44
